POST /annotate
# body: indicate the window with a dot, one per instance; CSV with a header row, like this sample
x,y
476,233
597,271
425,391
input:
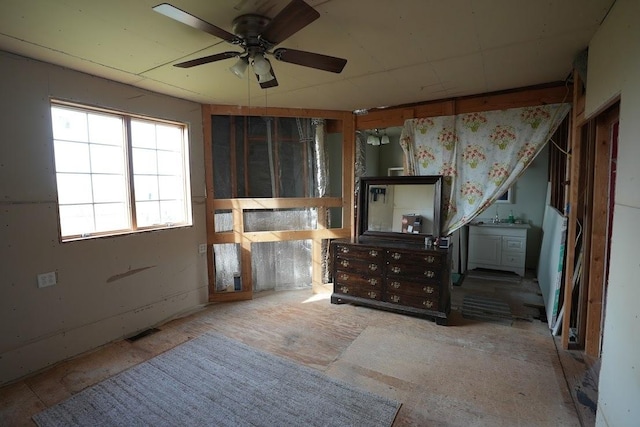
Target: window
x,y
118,173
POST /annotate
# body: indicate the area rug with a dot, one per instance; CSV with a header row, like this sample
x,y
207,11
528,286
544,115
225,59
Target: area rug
x,y
213,380
493,275
479,307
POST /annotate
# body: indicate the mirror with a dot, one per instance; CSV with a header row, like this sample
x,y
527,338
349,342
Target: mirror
x,y
399,207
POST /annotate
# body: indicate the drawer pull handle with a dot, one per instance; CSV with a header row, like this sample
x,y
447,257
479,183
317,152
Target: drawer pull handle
x,y
429,273
344,276
430,259
344,289
396,269
373,267
344,249
372,294
373,253
427,303
373,281
344,263
395,285
396,256
395,298
428,289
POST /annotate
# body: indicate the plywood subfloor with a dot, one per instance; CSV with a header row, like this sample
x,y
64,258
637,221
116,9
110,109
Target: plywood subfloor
x,y
471,373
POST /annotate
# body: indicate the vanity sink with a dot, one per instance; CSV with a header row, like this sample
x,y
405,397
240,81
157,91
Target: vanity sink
x,y
499,224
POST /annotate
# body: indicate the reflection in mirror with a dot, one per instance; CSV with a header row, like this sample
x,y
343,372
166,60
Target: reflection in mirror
x,y
399,207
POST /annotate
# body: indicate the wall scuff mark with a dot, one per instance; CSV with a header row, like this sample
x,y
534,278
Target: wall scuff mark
x,y
128,273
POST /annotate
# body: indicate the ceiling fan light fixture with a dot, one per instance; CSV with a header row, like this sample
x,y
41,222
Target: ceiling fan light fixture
x,y
261,66
264,78
240,67
384,139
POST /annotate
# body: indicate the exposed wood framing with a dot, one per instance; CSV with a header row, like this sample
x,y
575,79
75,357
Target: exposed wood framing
x,y
572,224
347,123
525,97
599,232
337,121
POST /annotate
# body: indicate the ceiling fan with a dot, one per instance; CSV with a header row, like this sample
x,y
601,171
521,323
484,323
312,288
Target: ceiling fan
x,y
257,35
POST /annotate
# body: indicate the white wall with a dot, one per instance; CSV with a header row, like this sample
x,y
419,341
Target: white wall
x,y
614,68
94,302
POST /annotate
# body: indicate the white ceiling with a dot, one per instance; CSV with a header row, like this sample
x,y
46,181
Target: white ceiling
x,y
398,52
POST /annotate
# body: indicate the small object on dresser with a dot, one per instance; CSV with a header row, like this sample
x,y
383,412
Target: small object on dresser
x,y
428,242
443,243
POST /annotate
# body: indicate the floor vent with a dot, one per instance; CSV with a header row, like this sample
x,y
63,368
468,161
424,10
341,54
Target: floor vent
x,y
143,334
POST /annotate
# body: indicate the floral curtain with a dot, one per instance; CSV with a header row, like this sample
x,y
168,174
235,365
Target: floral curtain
x,y
480,155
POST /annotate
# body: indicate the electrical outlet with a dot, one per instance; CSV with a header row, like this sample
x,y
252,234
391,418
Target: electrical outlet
x,y
47,279
202,248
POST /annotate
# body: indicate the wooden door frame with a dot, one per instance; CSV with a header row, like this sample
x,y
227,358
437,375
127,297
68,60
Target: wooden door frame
x,y
589,202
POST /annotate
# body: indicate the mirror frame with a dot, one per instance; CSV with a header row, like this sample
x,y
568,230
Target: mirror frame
x,y
362,209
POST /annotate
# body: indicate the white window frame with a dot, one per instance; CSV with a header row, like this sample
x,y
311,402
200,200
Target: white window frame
x,y
129,173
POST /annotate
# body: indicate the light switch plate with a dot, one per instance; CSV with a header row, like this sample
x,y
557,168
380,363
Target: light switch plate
x,y
202,248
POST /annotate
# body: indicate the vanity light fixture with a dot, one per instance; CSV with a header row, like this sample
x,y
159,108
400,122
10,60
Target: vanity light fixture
x,y
376,138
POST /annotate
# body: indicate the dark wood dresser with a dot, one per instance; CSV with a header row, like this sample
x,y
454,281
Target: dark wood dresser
x,y
400,277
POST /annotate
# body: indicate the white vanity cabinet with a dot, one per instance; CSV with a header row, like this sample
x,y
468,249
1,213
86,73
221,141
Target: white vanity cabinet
x,y
498,247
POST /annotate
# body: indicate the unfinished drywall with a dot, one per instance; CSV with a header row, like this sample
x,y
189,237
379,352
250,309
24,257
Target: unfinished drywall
x,y
614,69
107,288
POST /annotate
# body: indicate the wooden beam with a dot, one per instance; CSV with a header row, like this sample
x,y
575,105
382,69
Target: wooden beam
x,y
599,233
575,169
281,203
553,93
236,110
348,172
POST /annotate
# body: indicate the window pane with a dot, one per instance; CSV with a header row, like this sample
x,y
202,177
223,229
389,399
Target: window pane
x,y
69,124
106,129
76,220
109,188
111,216
146,187
172,211
147,213
143,134
74,188
107,159
144,161
92,157
171,188
71,156
169,137
169,163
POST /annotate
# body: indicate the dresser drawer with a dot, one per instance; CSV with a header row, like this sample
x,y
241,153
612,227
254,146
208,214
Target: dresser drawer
x,y
362,280
357,291
357,251
431,259
349,264
424,303
414,271
406,287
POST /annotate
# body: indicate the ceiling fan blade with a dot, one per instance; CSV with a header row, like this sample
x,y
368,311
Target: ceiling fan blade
x,y
294,17
310,59
207,59
186,18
